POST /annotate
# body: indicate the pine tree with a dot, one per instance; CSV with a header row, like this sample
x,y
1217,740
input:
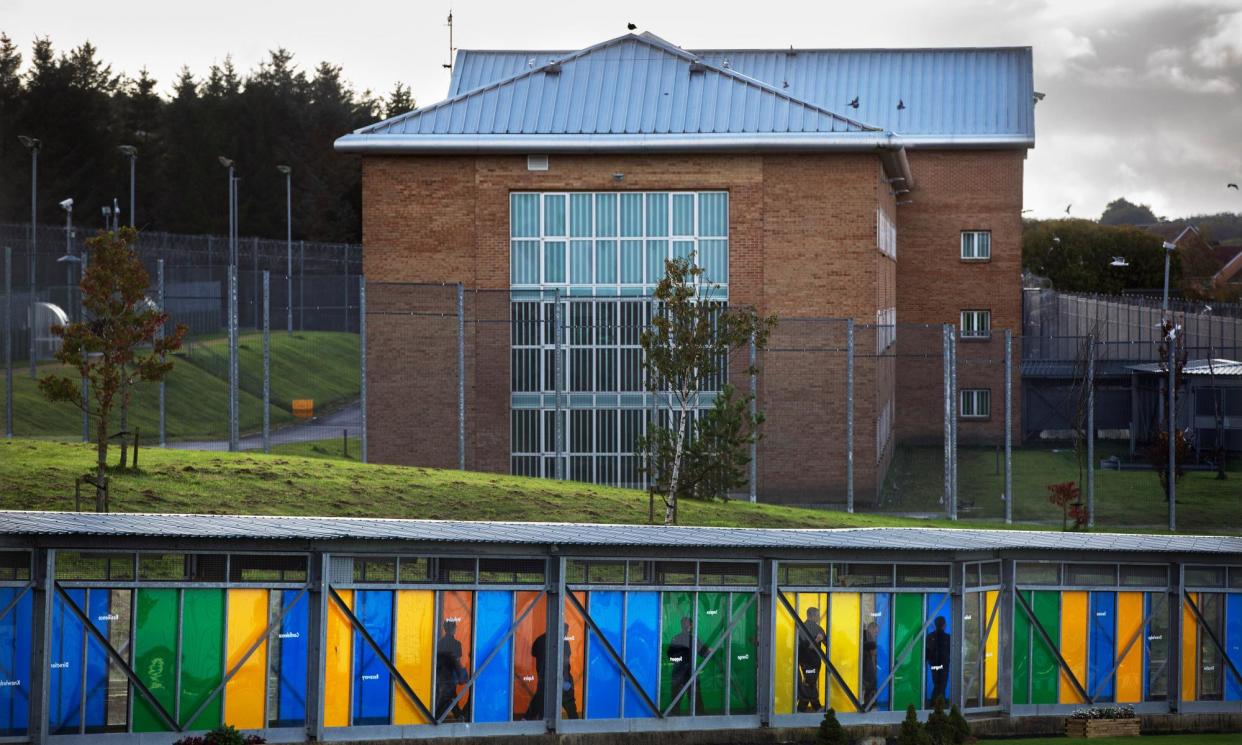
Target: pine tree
x,y
399,101
959,728
938,724
830,731
912,732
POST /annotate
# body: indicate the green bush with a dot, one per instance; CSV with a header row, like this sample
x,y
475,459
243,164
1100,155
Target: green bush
x,y
938,724
830,731
912,732
959,728
226,735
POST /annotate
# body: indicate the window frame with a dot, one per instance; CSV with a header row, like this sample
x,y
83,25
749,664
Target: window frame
x,y
974,394
974,234
974,332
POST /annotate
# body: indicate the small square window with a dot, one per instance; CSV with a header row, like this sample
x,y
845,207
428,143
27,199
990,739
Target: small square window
x,y
976,245
976,403
976,324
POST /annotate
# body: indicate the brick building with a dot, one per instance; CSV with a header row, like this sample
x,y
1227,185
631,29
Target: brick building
x,y
881,186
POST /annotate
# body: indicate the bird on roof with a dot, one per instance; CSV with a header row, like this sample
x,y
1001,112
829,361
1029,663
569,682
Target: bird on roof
x,y
1231,186
901,104
631,26
854,103
1067,207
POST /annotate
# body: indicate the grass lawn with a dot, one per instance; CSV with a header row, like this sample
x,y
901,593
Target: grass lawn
x,y
320,365
1122,498
322,449
1143,740
39,474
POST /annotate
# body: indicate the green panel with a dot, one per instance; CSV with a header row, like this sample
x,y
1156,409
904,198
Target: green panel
x,y
155,652
202,656
908,623
1022,655
713,621
742,651
675,607
1044,668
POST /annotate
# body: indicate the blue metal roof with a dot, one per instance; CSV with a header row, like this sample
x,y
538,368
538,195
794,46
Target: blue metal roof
x,y
941,92
634,84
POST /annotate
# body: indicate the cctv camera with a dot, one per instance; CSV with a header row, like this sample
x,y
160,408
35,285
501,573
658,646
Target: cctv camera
x,y
1170,246
67,205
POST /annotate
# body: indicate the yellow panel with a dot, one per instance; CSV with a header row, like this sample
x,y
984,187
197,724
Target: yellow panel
x,y
415,653
1073,644
246,692
783,686
1190,650
338,670
845,647
991,648
819,601
1129,629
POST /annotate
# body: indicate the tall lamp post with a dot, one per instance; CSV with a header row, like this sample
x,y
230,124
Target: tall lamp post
x,y
232,303
34,144
288,248
67,206
131,152
1171,360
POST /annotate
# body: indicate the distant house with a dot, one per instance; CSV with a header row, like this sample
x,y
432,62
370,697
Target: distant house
x,y
1210,270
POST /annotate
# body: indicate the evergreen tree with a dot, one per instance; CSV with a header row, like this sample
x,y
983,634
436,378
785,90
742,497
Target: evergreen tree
x,y
938,724
830,731
399,101
959,728
912,732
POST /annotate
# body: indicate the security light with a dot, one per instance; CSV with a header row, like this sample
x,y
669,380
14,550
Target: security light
x,y
31,142
128,151
67,205
226,162
1170,246
284,169
1119,261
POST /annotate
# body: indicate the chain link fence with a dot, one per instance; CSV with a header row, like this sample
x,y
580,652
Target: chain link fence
x,y
909,419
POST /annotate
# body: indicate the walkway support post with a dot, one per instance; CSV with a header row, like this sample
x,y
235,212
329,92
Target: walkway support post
x,y
461,376
946,350
849,415
754,403
234,434
159,334
8,341
1090,431
1008,426
362,361
267,362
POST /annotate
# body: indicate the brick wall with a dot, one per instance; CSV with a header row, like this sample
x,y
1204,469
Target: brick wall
x,y
802,245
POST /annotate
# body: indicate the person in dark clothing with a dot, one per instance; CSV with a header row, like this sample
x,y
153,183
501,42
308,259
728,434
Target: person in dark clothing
x,y
681,654
870,660
809,662
449,672
539,650
938,656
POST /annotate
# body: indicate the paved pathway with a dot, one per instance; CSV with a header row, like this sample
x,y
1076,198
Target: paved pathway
x,y
327,427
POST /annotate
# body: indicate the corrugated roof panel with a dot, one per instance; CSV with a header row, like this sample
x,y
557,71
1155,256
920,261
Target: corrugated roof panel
x,y
632,85
225,527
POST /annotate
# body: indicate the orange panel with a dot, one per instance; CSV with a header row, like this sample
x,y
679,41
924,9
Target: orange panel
x,y
1129,633
1190,650
338,672
525,676
576,636
246,692
1073,644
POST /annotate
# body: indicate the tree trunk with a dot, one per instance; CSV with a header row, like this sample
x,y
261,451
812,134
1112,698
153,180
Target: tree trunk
x,y
101,465
124,415
670,504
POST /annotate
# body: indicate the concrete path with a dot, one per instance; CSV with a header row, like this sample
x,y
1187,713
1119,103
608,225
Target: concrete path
x,y
327,427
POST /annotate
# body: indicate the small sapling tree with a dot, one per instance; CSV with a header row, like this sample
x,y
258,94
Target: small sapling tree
x,y
116,338
696,451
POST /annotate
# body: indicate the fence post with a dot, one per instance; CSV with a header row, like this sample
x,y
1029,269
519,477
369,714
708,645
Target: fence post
x,y
1091,431
254,277
234,443
289,279
557,427
754,444
8,341
1008,426
86,391
301,285
267,362
945,344
461,376
159,334
362,360
954,406
345,262
849,415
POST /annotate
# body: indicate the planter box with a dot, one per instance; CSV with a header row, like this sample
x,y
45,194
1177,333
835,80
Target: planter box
x,y
1101,727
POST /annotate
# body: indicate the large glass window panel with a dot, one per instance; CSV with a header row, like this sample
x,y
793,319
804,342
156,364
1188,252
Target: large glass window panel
x,y
155,659
603,699
15,658
714,258
631,262
524,215
454,649
605,262
1211,664
524,262
606,214
554,262
845,649
631,215
677,643
972,642
1102,622
580,224
1129,675
713,214
289,655
642,652
657,253
494,655
530,649
713,618
657,214
742,652
372,696
580,260
554,214
683,214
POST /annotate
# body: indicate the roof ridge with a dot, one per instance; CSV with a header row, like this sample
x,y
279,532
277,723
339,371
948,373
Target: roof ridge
x,y
647,38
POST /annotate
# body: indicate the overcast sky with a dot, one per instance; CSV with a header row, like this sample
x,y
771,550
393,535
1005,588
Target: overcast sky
x,y
1144,97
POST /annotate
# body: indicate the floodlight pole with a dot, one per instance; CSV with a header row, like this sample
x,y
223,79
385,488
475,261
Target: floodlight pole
x,y
288,171
1171,359
34,145
131,152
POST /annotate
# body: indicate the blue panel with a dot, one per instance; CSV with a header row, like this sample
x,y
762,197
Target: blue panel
x,y
65,676
494,609
99,610
291,698
1233,645
1102,646
884,662
642,651
933,602
603,677
14,662
372,689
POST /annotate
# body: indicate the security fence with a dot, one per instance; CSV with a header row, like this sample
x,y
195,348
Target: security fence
x,y
900,418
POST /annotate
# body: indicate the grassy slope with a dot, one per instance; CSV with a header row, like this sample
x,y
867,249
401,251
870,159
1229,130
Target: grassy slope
x,y
1231,739
319,365
39,475
1123,498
